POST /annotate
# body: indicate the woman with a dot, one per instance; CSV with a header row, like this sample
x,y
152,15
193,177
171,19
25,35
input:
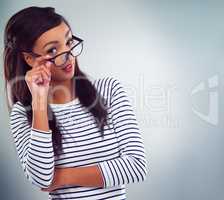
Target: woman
x,y
75,137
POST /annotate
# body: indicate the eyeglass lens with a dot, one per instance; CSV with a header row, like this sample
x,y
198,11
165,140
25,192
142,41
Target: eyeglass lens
x,y
63,58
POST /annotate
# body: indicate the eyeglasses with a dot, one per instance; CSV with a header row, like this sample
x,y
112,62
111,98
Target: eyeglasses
x,y
60,59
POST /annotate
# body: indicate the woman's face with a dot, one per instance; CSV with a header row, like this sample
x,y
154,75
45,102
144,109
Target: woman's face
x,y
52,43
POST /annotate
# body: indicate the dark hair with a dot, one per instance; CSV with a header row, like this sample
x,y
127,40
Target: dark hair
x,y
21,32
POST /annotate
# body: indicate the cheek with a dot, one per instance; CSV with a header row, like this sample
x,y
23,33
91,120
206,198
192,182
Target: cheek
x,y
57,74
72,61
56,71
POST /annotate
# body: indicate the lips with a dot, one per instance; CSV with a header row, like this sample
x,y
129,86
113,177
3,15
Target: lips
x,y
68,67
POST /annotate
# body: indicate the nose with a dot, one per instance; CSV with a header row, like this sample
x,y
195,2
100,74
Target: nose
x,y
66,48
68,58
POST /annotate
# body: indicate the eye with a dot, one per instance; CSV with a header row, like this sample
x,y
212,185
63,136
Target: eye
x,y
52,51
70,42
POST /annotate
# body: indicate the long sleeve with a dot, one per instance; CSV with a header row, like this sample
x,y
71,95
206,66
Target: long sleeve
x,y
34,148
131,166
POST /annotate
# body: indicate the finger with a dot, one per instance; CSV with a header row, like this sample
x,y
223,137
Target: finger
x,y
38,61
47,70
37,78
41,68
30,77
41,74
44,75
45,189
38,81
35,69
49,189
49,65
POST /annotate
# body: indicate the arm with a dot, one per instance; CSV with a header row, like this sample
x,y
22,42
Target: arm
x,y
33,145
130,167
40,116
87,176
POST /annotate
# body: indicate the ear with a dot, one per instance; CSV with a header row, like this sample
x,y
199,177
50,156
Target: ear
x,y
28,59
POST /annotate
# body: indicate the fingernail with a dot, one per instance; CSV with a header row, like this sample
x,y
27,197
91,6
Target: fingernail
x,y
48,64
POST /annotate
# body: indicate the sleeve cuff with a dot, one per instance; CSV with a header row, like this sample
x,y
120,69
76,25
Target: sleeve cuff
x,y
104,183
41,134
105,174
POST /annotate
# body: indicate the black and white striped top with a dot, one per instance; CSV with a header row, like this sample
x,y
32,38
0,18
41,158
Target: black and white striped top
x,y
120,154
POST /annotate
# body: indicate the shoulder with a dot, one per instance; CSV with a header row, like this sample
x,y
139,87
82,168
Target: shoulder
x,y
110,87
106,83
18,116
18,109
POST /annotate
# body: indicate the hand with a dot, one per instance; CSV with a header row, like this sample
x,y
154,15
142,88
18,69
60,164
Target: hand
x,y
38,78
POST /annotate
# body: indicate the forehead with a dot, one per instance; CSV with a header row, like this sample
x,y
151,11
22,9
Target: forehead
x,y
56,33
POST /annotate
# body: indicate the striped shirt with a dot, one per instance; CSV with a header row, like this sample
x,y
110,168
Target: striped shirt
x,y
120,154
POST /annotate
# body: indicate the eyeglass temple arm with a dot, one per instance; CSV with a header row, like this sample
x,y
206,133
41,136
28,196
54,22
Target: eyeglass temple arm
x,y
77,38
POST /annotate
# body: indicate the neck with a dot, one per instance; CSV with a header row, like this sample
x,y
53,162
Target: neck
x,y
61,92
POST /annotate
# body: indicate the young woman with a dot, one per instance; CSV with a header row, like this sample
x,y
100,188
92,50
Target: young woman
x,y
75,137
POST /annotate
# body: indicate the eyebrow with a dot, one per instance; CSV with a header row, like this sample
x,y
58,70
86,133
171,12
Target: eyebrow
x,y
55,41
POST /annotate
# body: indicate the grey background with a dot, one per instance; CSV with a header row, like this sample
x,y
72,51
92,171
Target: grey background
x,y
161,51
